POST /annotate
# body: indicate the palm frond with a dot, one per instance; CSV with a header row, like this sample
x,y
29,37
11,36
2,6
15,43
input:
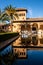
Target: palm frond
x,y
9,8
4,17
12,10
0,12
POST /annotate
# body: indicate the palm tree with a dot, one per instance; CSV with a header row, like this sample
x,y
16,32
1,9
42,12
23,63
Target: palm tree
x,y
11,11
3,17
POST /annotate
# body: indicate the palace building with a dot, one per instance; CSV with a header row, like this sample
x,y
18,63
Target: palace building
x,y
24,24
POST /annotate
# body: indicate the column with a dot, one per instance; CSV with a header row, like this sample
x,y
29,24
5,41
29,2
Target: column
x,y
38,25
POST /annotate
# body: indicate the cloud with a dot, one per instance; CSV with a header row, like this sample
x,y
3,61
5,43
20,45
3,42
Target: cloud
x,y
30,12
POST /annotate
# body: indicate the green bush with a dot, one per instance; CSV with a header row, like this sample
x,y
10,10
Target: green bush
x,y
6,36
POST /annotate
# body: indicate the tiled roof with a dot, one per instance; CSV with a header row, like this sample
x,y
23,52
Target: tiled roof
x,y
34,19
21,9
30,20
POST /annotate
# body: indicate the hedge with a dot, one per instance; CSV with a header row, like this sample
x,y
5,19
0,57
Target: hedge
x,y
6,36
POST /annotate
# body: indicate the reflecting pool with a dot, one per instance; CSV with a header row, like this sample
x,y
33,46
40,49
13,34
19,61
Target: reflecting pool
x,y
32,40
29,56
35,57
26,56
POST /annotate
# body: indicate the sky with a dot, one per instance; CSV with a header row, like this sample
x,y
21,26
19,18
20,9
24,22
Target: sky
x,y
34,7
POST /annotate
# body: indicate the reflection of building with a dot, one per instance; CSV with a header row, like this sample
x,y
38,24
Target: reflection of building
x,y
21,52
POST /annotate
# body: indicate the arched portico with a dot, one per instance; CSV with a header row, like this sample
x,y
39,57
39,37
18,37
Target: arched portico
x,y
25,27
34,27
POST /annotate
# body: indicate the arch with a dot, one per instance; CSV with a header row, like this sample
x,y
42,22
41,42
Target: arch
x,y
41,27
22,27
26,27
34,27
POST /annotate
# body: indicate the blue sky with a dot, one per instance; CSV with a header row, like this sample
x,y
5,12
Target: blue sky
x,y
34,7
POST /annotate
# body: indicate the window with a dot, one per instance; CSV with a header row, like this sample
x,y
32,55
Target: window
x,y
22,14
15,49
41,27
24,53
34,28
14,26
3,27
20,53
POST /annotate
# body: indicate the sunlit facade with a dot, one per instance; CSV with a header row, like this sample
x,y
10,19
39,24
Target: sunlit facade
x,y
22,24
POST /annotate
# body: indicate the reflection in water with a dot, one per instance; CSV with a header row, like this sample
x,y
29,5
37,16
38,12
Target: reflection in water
x,y
41,41
6,50
26,41
30,40
34,40
32,55
34,58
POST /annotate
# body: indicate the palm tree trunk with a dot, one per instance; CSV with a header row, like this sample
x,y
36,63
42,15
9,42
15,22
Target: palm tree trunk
x,y
11,25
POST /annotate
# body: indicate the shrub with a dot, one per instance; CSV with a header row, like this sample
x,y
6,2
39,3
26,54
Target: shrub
x,y
7,36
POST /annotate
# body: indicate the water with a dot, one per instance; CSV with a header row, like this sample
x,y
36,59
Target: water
x,y
6,50
35,57
34,40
